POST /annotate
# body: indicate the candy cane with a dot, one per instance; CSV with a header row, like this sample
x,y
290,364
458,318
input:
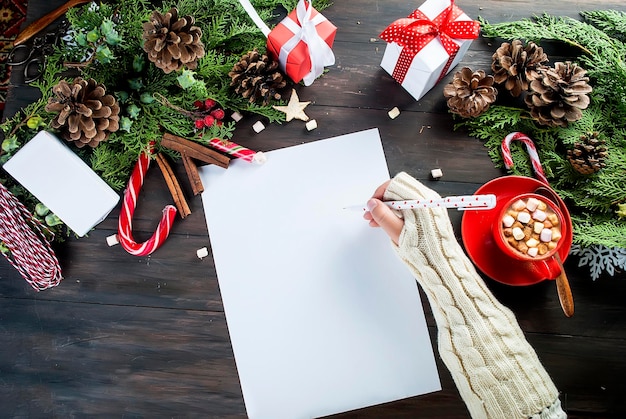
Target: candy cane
x,y
30,252
530,148
236,150
125,225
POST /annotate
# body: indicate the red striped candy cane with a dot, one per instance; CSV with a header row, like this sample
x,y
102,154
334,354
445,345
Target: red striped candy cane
x,y
238,151
530,148
125,225
30,252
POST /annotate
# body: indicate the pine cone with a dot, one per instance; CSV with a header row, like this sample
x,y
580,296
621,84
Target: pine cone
x,y
559,94
588,156
470,93
517,65
172,42
256,77
87,115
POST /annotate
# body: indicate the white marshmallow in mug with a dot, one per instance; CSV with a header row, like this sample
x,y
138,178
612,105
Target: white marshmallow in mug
x,y
523,217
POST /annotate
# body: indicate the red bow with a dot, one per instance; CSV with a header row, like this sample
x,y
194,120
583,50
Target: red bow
x,y
415,31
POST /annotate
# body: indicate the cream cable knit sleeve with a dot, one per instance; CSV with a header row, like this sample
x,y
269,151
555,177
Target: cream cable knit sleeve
x,y
495,369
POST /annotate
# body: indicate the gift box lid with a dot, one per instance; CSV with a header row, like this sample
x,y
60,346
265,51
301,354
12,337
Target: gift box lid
x,y
61,181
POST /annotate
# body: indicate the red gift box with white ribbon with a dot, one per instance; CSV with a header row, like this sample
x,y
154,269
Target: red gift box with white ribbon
x,y
423,47
302,42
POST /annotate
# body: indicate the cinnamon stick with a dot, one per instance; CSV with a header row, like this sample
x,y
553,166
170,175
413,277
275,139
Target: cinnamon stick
x,y
192,173
173,185
194,150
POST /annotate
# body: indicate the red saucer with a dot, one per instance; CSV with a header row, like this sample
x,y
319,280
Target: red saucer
x,y
482,249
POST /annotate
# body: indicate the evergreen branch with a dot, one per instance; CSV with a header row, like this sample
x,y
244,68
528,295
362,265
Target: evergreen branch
x,y
603,231
611,22
546,28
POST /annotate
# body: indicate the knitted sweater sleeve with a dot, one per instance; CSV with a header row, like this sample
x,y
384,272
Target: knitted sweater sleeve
x,y
497,372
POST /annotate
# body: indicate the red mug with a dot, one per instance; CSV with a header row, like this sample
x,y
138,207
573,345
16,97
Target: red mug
x,y
531,228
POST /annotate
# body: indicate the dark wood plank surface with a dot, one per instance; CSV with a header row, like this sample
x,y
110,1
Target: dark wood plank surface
x,y
126,336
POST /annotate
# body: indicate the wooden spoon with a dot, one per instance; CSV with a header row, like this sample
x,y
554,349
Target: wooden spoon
x,y
562,284
563,289
43,22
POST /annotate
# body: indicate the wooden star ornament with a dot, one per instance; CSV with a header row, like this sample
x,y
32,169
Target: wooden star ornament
x,y
294,108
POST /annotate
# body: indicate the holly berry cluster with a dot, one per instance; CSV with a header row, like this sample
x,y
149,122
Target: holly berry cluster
x,y
210,113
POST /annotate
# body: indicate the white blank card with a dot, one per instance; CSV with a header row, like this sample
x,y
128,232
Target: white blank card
x,y
322,314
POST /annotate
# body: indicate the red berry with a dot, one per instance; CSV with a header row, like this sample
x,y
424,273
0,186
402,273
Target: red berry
x,y
199,123
198,104
218,113
209,103
209,120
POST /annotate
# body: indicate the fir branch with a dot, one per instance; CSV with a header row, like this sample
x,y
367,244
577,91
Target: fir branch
x,y
270,113
603,231
112,166
611,22
541,28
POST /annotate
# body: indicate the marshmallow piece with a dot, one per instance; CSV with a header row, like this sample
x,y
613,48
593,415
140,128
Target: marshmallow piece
x,y
518,233
507,221
556,234
518,205
542,206
112,240
537,227
539,215
532,242
532,204
523,217
202,253
311,125
394,113
545,235
259,158
533,251
258,126
436,173
236,116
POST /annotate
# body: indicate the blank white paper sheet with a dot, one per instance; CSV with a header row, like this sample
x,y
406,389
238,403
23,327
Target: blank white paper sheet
x,y
322,314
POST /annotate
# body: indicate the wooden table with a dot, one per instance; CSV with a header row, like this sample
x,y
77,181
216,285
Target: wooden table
x,y
147,337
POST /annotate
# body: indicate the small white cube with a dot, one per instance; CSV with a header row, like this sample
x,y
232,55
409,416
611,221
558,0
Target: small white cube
x,y
311,125
258,126
236,116
394,113
436,173
112,240
202,253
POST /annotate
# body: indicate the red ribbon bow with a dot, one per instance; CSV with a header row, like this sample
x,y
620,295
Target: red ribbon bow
x,y
415,31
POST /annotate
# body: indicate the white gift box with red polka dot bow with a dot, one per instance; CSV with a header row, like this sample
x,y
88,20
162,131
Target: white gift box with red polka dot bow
x,y
426,45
